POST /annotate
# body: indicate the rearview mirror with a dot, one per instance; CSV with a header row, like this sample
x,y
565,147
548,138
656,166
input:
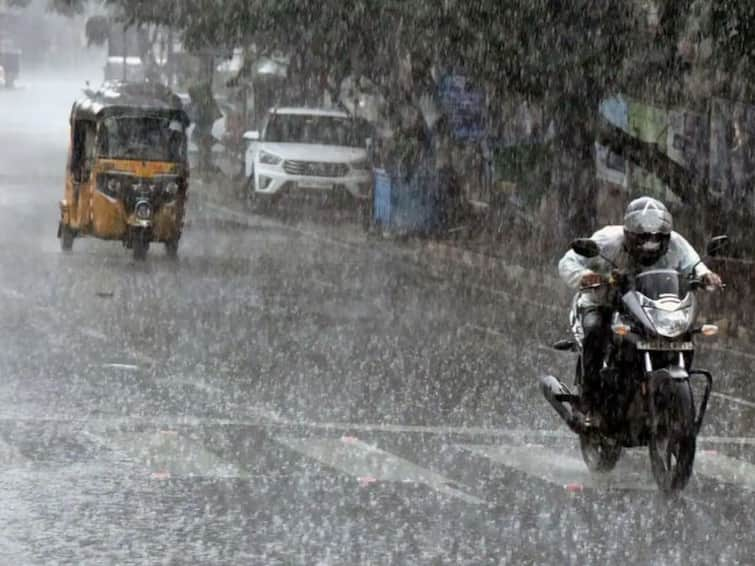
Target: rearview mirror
x,y
252,135
586,247
716,245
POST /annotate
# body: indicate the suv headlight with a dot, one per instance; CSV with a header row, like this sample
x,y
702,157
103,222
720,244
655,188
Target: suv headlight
x,y
269,158
670,323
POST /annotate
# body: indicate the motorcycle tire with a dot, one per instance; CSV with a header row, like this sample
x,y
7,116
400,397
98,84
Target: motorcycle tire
x,y
672,436
599,453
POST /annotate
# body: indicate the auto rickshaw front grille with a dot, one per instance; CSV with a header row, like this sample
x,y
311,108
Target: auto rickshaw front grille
x,y
133,189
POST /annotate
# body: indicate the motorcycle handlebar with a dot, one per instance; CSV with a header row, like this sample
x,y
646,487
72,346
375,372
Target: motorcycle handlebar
x,y
620,280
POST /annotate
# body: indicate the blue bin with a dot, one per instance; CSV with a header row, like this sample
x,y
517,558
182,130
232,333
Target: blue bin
x,y
409,206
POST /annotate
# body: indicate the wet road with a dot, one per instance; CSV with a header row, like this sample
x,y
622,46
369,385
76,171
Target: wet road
x,y
270,398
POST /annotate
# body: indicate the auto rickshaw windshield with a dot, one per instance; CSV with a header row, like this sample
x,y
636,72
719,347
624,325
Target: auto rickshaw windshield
x,y
142,138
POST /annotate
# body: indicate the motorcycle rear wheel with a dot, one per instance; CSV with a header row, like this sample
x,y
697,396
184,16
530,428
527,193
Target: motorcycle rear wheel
x,y
672,437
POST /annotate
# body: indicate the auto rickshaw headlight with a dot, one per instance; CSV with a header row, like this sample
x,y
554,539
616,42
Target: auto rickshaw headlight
x,y
143,210
171,189
113,186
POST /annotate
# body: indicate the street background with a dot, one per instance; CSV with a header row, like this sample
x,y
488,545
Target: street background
x,y
294,391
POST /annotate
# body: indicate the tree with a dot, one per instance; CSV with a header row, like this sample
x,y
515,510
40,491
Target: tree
x,y
563,55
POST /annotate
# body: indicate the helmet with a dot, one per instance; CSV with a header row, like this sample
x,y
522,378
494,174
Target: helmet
x,y
647,230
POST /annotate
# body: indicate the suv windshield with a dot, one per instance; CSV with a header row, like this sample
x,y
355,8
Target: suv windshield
x,y
148,139
312,129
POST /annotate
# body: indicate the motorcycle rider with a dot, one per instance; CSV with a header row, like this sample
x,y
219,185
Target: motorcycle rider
x,y
645,241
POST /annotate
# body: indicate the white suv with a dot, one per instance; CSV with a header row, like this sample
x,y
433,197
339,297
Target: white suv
x,y
306,150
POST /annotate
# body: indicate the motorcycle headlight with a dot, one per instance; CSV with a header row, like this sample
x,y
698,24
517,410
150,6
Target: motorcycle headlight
x,y
670,323
269,158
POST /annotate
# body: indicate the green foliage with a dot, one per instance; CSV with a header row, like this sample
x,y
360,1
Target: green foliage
x,y
97,30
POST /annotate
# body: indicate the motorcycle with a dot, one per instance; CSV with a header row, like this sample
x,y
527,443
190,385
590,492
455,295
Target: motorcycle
x,y
647,398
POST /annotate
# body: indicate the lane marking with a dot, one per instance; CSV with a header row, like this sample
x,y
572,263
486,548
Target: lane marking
x,y
633,470
199,385
484,330
369,464
323,283
12,293
733,399
564,469
172,455
725,469
265,417
128,367
11,456
92,333
150,361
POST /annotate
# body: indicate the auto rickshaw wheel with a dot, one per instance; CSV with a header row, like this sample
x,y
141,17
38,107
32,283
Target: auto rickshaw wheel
x,y
171,248
140,245
66,238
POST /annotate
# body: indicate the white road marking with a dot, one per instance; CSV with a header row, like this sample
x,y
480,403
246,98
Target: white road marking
x,y
368,463
632,471
564,469
725,469
92,333
322,283
128,367
10,456
12,293
735,440
168,453
732,399
265,417
484,330
199,385
143,357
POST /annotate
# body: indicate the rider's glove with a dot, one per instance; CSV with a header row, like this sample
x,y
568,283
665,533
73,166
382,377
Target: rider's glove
x,y
590,279
712,281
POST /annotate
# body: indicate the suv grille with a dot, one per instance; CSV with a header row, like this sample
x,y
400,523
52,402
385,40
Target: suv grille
x,y
315,169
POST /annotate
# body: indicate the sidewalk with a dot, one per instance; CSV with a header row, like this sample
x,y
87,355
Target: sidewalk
x,y
478,260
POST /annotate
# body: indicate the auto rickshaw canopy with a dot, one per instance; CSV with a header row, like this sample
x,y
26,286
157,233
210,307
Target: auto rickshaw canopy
x,y
116,98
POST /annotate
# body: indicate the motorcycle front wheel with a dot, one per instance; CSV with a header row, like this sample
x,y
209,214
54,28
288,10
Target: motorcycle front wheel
x,y
672,436
599,453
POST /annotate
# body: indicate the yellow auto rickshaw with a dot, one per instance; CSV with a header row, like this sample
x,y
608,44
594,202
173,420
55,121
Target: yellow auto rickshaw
x,y
127,173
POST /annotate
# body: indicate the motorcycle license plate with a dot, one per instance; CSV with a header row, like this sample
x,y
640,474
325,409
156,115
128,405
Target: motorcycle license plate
x,y
667,346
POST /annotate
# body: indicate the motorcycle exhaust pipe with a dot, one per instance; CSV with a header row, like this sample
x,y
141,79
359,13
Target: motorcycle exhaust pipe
x,y
563,400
